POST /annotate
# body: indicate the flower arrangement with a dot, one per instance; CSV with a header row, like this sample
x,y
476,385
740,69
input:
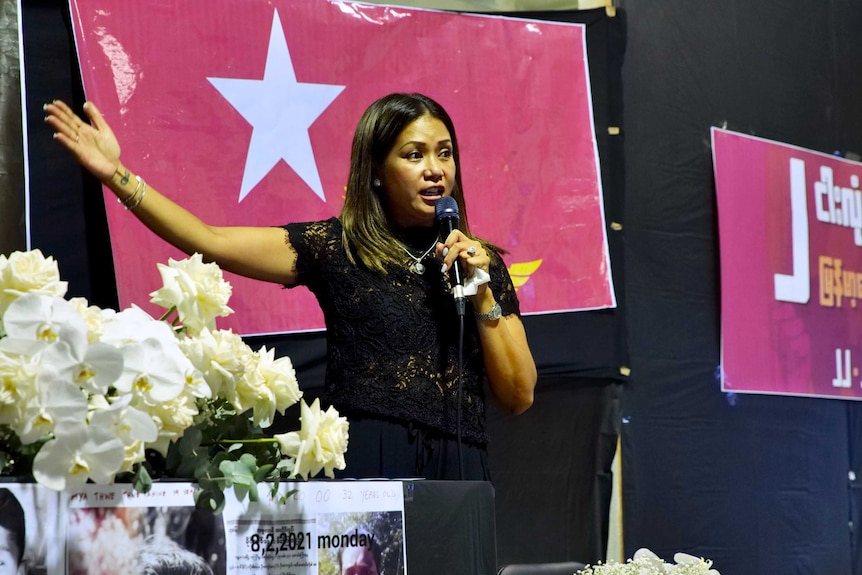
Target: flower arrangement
x,y
645,562
90,394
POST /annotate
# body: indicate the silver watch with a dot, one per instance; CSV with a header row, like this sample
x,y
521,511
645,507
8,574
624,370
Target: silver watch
x,y
493,314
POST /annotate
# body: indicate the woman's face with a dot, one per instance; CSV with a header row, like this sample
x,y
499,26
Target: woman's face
x,y
418,171
9,554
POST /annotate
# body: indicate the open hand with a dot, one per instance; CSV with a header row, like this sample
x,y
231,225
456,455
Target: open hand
x,y
93,144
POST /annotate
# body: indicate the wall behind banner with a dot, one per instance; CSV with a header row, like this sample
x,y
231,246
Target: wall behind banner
x,y
11,145
758,483
563,484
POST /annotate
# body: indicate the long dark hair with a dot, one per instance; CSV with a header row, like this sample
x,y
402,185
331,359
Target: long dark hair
x,y
12,520
363,217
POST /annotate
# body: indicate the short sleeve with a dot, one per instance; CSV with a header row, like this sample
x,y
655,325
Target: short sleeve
x,y
311,241
501,285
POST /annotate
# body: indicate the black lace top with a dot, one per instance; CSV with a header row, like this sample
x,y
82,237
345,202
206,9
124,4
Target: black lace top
x,y
392,340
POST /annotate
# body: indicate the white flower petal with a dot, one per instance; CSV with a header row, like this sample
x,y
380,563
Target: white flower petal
x,y
319,444
28,272
197,290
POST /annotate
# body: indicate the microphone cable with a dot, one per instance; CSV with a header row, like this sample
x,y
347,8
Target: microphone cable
x,y
447,217
460,395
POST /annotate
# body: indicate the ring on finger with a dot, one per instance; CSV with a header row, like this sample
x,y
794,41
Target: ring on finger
x,y
471,250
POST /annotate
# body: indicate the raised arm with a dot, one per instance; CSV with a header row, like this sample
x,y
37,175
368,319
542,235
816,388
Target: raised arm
x,y
256,252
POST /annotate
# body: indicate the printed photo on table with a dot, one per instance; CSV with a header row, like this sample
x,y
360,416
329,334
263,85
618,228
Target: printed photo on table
x,y
30,530
361,543
145,541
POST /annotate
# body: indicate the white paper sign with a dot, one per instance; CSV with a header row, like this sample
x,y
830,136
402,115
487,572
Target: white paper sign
x,y
305,528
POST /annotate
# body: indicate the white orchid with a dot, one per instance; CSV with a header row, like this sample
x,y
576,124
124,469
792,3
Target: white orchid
x,y
78,453
134,325
133,427
53,401
151,372
94,389
154,365
93,368
197,291
45,319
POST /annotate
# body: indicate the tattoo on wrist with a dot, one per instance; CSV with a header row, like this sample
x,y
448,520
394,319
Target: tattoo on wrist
x,y
124,178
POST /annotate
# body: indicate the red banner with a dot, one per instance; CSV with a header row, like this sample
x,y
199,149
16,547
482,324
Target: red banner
x,y
790,229
243,111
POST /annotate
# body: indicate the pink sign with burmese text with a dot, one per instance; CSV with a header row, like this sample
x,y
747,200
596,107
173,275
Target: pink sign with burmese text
x,y
243,111
790,228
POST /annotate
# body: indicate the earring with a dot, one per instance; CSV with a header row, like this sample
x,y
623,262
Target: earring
x,y
376,182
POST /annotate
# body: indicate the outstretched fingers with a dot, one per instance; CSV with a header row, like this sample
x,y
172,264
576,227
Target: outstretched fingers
x,y
90,141
65,123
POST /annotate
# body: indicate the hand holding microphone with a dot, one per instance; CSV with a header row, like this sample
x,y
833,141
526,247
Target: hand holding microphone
x,y
457,247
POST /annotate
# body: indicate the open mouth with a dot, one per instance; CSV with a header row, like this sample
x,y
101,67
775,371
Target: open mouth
x,y
435,192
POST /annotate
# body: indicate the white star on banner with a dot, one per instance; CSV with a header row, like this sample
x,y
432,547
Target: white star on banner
x,y
280,110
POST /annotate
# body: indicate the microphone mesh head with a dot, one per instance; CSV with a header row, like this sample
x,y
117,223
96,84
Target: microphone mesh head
x,y
446,208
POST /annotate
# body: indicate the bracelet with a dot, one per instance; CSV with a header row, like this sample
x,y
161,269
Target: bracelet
x,y
493,314
141,197
131,198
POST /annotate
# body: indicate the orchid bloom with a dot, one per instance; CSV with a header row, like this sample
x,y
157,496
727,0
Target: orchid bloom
x,y
78,453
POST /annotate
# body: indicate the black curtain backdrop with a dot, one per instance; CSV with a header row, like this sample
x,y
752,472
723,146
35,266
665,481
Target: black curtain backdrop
x,y
760,484
551,466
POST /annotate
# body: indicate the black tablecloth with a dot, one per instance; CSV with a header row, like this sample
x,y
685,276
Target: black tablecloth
x,y
449,528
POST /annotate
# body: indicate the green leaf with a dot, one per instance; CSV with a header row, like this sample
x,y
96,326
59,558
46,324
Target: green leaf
x,y
190,442
249,461
143,483
228,472
219,457
191,466
210,499
288,464
240,490
262,472
283,499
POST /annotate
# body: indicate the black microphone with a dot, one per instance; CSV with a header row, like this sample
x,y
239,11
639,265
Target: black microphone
x,y
447,215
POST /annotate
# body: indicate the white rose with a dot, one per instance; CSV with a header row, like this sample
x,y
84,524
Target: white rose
x,y
252,393
18,385
319,444
222,357
280,377
93,316
28,272
172,418
197,290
